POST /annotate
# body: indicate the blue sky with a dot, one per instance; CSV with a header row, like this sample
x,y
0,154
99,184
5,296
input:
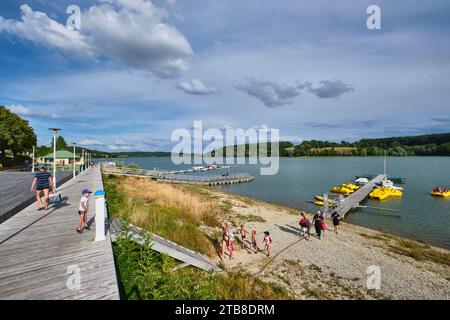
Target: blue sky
x,y
137,70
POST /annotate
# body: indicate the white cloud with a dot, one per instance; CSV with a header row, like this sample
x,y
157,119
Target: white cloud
x,y
330,89
134,33
91,142
196,87
38,27
30,113
272,94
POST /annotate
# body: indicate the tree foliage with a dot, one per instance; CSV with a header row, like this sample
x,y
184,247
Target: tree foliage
x,y
15,133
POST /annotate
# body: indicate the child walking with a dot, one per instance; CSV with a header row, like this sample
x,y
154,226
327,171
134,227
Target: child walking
x,y
83,209
243,233
267,242
230,247
254,246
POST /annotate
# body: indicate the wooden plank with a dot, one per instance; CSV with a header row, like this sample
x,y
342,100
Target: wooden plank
x,y
168,247
15,192
38,248
354,199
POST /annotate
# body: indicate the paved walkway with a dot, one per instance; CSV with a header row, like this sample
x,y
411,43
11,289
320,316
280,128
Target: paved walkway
x,y
15,192
41,253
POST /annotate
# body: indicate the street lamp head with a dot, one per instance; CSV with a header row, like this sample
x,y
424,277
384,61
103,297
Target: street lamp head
x,y
54,129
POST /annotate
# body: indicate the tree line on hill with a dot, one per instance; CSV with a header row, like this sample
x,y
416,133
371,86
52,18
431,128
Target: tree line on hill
x,y
424,145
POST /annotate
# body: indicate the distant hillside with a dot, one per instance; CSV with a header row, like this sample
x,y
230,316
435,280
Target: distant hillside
x,y
140,154
424,145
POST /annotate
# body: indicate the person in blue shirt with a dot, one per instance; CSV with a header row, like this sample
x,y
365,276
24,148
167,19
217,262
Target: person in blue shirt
x,y
44,183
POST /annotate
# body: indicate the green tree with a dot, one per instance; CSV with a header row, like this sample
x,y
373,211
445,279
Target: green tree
x,y
15,133
60,143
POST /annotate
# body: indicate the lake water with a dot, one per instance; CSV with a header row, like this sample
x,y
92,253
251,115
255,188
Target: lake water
x,y
422,216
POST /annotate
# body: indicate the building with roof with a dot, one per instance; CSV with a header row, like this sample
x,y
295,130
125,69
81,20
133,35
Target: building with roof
x,y
63,158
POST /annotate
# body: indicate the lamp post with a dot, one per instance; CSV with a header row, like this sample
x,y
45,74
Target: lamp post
x,y
82,157
55,131
74,160
32,163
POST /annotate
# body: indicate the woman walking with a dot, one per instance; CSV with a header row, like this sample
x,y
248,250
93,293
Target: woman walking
x,y
305,226
317,220
336,220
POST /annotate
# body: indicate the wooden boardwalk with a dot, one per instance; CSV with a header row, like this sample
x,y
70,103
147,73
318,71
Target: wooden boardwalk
x,y
15,192
42,256
162,245
354,199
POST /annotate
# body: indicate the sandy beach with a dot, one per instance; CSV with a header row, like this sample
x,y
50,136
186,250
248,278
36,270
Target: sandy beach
x,y
334,267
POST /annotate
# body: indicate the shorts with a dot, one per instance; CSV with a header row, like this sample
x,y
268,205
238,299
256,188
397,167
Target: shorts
x,y
81,212
254,244
41,188
335,222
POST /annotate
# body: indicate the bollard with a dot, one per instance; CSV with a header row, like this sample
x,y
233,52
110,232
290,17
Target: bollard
x,y
100,215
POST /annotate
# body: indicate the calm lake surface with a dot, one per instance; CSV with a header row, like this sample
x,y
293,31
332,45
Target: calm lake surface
x,y
422,216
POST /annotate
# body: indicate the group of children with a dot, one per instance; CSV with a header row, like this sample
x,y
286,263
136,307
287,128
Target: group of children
x,y
305,228
228,238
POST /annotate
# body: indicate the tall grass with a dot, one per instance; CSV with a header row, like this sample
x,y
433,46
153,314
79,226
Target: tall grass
x,y
145,274
164,210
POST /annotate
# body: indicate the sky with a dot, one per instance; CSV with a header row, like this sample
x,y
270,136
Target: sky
x,y
136,70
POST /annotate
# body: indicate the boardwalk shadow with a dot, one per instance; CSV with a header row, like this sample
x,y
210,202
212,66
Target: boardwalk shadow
x,y
288,229
61,204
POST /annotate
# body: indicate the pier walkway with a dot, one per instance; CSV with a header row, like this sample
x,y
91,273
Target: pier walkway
x,y
354,199
43,257
170,177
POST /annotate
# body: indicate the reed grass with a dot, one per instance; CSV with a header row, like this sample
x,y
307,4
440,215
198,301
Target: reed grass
x,y
164,210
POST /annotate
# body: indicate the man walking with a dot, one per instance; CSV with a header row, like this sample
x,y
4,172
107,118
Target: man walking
x,y
43,181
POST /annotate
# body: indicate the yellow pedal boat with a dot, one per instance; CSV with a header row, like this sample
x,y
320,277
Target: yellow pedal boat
x,y
440,194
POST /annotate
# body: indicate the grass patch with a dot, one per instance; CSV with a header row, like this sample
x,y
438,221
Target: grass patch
x,y
315,267
147,275
250,218
164,210
198,190
378,236
420,252
225,207
316,293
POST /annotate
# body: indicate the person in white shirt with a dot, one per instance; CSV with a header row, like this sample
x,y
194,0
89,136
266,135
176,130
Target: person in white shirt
x,y
83,209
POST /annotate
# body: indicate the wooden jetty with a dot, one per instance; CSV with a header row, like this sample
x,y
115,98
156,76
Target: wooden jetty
x,y
162,245
354,199
43,257
165,176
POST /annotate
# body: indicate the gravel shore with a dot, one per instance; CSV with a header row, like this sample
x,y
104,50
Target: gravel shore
x,y
336,266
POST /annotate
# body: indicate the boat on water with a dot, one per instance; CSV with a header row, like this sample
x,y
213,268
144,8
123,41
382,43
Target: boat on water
x,y
399,180
321,204
441,192
388,184
361,181
384,193
322,199
342,190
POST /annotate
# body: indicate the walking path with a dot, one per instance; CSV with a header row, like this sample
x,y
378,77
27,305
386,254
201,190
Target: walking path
x,y
15,192
42,256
